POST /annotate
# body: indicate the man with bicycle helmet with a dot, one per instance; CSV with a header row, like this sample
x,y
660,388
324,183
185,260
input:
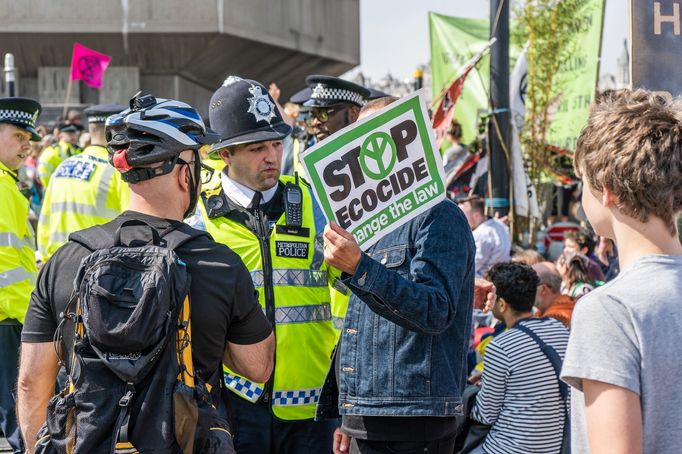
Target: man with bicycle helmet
x,y
155,145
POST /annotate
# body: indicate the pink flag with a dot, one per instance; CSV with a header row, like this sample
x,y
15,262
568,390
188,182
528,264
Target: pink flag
x,y
88,65
442,115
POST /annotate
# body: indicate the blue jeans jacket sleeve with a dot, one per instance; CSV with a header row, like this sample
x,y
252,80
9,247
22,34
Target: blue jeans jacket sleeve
x,y
424,297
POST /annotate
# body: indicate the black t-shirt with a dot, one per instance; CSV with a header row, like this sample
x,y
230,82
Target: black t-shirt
x,y
224,304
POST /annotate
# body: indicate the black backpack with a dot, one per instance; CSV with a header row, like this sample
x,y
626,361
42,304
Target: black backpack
x,y
132,386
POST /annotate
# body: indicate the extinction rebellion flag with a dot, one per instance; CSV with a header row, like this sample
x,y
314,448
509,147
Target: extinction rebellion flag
x,y
88,65
442,114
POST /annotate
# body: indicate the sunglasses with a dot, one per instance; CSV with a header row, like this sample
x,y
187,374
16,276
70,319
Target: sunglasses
x,y
323,114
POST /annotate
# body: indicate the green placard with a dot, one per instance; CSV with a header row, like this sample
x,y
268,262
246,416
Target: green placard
x,y
378,173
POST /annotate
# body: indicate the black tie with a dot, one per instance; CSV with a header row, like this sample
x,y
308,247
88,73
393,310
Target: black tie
x,y
255,201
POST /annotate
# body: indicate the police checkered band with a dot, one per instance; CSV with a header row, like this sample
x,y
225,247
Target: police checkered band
x,y
98,118
295,397
246,388
18,115
322,92
292,277
303,314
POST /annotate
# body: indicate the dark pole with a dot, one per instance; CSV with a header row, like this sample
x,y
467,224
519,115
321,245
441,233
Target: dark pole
x,y
10,75
499,129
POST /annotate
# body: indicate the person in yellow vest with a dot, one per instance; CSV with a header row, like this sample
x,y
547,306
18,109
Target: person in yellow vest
x,y
267,219
84,190
52,156
17,251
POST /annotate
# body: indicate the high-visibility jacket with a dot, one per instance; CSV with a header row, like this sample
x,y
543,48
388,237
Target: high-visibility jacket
x,y
17,249
85,190
292,280
52,156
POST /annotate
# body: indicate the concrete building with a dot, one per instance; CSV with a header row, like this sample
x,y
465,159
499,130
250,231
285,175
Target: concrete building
x,y
175,48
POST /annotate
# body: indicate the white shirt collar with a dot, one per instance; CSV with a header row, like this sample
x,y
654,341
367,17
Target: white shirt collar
x,y
241,194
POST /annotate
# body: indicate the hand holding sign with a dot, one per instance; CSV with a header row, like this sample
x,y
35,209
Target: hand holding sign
x,y
340,249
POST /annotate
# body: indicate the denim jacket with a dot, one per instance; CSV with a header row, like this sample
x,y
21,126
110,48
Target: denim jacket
x,y
405,336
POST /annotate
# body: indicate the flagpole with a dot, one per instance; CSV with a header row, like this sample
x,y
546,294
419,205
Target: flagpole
x,y
66,100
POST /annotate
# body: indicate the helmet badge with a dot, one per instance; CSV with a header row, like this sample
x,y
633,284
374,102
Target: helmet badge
x,y
260,105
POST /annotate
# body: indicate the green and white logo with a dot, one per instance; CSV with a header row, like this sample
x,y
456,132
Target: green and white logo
x,y
377,155
380,172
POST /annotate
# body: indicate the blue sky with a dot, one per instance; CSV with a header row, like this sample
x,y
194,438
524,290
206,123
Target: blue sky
x,y
394,34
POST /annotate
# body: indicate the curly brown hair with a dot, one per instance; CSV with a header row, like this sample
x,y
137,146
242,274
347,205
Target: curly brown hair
x,y
632,145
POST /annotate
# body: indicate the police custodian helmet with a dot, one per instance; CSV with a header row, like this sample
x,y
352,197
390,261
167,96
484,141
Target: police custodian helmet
x,y
242,111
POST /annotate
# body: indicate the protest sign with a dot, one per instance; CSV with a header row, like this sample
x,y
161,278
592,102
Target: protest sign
x,y
380,172
655,36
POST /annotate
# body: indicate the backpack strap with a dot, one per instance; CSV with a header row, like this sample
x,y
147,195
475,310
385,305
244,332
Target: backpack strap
x,y
551,355
99,237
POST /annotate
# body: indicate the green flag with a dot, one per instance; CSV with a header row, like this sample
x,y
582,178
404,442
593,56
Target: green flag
x,y
577,79
454,40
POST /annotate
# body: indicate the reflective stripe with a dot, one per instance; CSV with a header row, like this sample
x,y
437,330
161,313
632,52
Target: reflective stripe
x,y
293,277
246,388
59,237
83,208
302,314
295,397
15,275
103,189
11,240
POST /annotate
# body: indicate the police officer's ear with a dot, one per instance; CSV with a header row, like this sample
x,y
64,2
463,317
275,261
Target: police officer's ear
x,y
352,114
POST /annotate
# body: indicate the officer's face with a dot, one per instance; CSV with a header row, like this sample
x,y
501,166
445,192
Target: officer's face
x,y
14,145
327,121
255,165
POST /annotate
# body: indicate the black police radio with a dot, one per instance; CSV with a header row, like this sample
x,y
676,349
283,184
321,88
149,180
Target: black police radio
x,y
293,204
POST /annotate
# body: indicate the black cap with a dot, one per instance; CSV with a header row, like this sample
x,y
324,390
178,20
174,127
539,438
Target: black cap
x,y
301,96
242,111
376,94
328,91
100,112
22,113
69,127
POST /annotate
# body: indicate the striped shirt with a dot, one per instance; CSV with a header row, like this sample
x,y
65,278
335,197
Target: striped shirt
x,y
520,396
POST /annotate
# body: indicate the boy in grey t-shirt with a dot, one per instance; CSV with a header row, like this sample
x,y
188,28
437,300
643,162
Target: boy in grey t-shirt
x,y
622,359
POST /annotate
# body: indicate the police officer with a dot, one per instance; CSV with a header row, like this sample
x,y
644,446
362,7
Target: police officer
x,y
268,220
84,190
17,250
65,147
334,104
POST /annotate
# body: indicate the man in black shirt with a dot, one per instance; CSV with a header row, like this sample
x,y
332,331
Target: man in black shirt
x,y
162,165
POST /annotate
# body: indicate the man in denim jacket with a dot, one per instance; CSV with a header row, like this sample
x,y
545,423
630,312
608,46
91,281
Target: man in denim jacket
x,y
400,365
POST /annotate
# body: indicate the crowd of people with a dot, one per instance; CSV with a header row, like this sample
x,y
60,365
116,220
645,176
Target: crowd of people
x,y
441,337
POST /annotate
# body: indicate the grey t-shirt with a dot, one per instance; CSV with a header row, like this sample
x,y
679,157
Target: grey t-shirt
x,y
627,333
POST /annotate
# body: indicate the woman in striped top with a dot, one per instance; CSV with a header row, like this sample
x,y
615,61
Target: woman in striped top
x,y
520,397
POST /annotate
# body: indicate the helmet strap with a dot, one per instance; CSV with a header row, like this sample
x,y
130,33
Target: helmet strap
x,y
194,182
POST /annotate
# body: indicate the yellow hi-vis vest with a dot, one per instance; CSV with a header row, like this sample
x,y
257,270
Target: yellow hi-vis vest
x,y
293,289
85,190
51,157
17,249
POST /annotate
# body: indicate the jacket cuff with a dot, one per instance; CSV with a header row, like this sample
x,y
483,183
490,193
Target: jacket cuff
x,y
365,274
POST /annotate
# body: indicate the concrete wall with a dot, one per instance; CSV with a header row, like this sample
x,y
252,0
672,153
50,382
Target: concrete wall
x,y
326,28
176,48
